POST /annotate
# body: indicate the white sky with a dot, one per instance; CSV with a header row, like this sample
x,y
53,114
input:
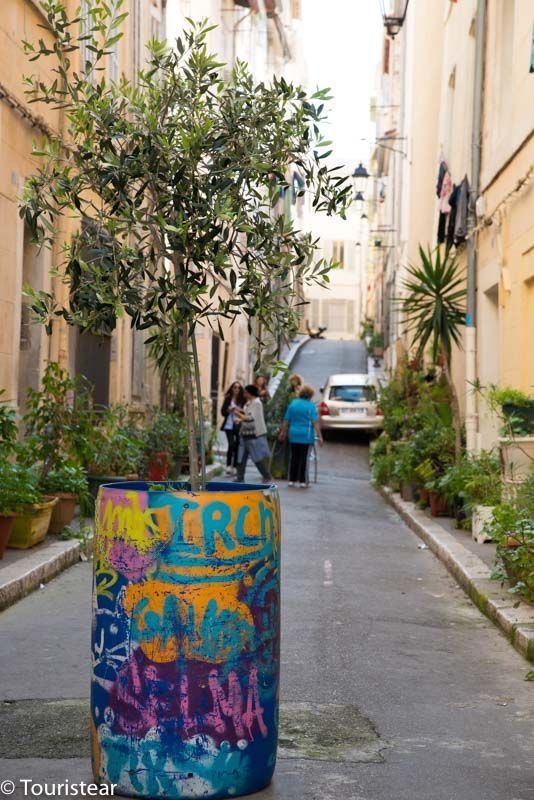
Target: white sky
x,y
342,50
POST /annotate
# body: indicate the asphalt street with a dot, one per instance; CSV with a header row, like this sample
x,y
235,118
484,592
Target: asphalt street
x,y
394,686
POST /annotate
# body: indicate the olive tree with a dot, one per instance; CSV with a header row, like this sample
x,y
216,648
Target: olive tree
x,y
175,176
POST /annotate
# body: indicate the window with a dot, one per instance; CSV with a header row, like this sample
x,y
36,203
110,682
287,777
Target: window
x,y
30,332
338,253
155,22
505,54
353,394
114,63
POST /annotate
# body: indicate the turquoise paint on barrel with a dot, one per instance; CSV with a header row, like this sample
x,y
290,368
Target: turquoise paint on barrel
x,y
186,636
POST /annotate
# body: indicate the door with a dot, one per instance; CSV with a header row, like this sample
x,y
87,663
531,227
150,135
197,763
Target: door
x,y
92,360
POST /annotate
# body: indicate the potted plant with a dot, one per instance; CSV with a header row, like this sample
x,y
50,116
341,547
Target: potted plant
x,y
17,492
434,313
24,505
376,344
516,412
110,450
165,445
512,528
186,170
68,483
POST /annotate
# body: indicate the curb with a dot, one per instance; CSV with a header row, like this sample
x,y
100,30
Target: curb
x,y
472,574
40,566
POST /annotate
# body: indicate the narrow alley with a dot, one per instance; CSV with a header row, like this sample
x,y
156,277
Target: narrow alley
x,y
393,684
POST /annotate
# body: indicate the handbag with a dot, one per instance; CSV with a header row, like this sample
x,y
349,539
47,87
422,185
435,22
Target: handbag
x,y
248,428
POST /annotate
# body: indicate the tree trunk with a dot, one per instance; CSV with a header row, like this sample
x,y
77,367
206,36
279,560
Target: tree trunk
x,y
455,406
190,416
200,412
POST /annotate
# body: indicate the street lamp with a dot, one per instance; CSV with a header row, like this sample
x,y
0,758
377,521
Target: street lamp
x,y
359,181
394,14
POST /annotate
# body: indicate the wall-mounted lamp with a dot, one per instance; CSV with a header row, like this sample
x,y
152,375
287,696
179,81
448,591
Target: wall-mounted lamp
x,y
393,14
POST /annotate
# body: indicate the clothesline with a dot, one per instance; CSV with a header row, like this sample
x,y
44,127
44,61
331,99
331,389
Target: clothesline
x,y
520,185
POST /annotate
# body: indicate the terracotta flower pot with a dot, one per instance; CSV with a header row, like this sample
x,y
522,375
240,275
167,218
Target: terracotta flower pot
x,y
31,527
438,504
158,466
186,639
63,512
407,492
6,526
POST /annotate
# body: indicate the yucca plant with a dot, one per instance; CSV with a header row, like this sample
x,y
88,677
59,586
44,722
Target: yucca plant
x,y
434,312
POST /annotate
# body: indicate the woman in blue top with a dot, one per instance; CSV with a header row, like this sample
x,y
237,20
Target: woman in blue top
x,y
301,422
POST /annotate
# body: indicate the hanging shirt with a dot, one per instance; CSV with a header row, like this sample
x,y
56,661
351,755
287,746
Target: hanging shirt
x,y
301,414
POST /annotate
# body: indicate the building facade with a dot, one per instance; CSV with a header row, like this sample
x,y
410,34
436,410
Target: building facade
x,y
454,98
116,364
340,306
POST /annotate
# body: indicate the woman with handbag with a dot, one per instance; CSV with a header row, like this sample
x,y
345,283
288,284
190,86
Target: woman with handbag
x,y
301,426
234,400
253,436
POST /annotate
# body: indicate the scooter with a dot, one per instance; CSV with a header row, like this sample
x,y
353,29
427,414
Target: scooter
x,y
316,333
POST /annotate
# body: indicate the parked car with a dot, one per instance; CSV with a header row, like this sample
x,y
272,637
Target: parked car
x,y
350,402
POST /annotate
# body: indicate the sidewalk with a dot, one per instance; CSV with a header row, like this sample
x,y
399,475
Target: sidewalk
x,y
471,564
24,571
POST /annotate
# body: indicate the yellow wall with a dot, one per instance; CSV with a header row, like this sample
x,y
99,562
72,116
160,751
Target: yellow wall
x,y
506,246
20,128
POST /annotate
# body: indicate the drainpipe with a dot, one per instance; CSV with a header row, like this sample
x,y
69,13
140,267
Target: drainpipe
x,y
471,418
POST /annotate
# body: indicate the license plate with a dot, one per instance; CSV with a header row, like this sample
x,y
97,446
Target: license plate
x,y
354,410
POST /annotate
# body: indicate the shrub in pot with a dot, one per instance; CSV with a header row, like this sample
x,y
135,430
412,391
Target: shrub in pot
x,y
18,491
165,445
111,449
68,483
22,503
512,528
474,486
194,212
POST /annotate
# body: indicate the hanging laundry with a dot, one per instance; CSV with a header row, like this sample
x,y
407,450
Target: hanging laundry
x,y
442,228
462,211
453,202
443,168
446,191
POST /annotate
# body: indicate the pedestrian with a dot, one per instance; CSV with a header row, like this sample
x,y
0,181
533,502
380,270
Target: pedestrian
x,y
295,385
301,426
260,382
253,436
234,400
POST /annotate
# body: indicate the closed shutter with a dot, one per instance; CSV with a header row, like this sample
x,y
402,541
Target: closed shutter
x,y
351,322
315,321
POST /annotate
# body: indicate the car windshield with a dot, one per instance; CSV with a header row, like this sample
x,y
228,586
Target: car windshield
x,y
353,394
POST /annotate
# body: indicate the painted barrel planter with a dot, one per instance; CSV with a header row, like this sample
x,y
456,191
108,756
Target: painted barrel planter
x,y
186,633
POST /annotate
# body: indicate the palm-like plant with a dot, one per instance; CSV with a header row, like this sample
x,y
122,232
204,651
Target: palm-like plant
x,y
434,312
